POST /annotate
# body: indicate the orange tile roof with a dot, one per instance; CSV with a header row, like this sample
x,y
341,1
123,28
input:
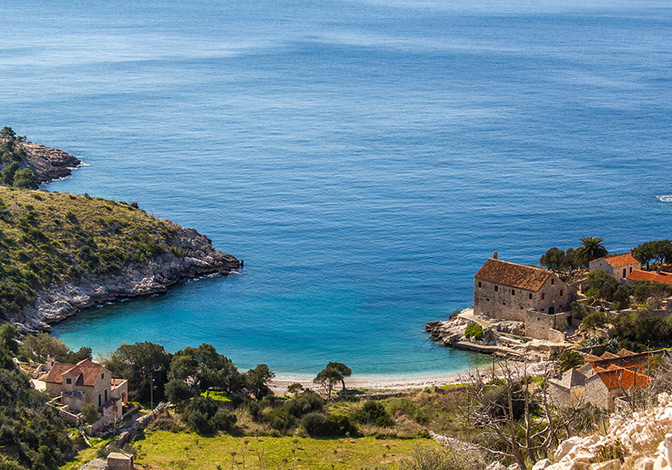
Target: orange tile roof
x,y
86,371
639,275
513,275
624,378
608,355
620,261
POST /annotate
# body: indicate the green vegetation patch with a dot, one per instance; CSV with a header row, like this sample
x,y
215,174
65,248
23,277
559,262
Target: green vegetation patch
x,y
191,451
50,237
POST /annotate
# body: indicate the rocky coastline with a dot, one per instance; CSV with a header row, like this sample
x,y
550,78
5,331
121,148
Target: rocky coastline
x,y
191,255
48,164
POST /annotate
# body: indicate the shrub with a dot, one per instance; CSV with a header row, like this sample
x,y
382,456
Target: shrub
x,y
307,403
224,419
319,425
373,413
409,408
474,330
279,419
90,413
199,413
177,391
427,458
594,320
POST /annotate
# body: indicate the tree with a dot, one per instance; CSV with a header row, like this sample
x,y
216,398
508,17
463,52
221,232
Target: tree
x,y
602,285
38,347
519,416
25,179
344,370
591,248
568,359
144,365
332,374
659,250
594,320
90,413
7,133
177,391
8,338
204,369
256,380
553,259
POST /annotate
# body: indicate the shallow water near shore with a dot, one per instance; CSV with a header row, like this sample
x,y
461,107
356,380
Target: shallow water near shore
x,y
364,158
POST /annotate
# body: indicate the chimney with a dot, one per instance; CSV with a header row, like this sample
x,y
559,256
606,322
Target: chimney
x,y
50,362
494,255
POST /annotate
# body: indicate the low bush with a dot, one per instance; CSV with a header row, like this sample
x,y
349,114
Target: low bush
x,y
308,403
474,330
279,419
319,425
373,413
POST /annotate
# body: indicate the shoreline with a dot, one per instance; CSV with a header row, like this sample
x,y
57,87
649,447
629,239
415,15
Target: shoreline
x,y
379,383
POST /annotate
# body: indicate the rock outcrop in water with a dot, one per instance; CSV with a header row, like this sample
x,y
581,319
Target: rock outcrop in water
x,y
48,164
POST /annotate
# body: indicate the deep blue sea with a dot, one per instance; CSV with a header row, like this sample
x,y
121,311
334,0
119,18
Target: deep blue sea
x,y
363,157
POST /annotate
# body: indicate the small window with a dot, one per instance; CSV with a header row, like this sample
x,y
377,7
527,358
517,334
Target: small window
x,y
630,269
624,272
479,283
561,292
496,288
487,300
503,303
552,281
513,291
105,396
102,376
68,381
529,296
543,296
538,318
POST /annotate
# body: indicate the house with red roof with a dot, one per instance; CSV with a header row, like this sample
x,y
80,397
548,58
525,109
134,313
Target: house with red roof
x,y
619,266
601,380
76,385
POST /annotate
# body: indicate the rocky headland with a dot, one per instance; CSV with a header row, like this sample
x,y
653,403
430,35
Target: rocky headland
x,y
61,252
47,164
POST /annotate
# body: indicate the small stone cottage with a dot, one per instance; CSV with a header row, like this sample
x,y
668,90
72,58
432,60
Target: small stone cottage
x,y
76,385
516,292
619,266
601,379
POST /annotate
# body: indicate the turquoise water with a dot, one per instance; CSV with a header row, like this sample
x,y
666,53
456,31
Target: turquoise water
x,y
363,157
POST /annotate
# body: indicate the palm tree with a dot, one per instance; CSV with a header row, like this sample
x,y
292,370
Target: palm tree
x,y
591,248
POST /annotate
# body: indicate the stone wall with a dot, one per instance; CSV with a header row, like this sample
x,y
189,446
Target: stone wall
x,y
509,303
542,325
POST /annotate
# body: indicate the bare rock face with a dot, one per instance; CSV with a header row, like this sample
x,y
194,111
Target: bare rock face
x,y
63,300
48,164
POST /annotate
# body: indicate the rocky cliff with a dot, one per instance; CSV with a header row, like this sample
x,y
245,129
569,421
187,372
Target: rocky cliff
x,y
63,252
639,441
48,164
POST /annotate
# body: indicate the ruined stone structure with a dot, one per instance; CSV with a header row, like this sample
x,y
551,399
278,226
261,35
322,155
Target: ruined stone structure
x,y
508,290
619,266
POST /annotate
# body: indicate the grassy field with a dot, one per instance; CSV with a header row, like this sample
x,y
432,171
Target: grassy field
x,y
189,451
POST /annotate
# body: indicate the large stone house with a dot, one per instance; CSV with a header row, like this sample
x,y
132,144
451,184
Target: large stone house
x,y
619,266
76,385
517,292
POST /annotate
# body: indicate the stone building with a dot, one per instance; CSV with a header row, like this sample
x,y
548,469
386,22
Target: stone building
x,y
76,385
509,291
619,266
601,379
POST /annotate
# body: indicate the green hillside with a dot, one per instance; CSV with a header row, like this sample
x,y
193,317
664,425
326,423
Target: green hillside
x,y
48,237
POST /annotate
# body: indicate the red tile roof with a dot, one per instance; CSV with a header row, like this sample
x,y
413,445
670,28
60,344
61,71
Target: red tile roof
x,y
513,275
87,372
620,261
639,275
624,378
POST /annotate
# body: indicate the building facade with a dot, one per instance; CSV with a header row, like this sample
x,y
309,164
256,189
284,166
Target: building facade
x,y
76,385
508,291
619,266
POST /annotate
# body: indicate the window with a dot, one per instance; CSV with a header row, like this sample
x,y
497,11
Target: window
x,y
543,296
630,269
100,398
487,300
479,283
105,396
552,281
68,381
102,376
529,296
503,303
513,291
624,272
561,292
496,288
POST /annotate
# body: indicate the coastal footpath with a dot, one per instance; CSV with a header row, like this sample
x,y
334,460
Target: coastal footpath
x,y
61,252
